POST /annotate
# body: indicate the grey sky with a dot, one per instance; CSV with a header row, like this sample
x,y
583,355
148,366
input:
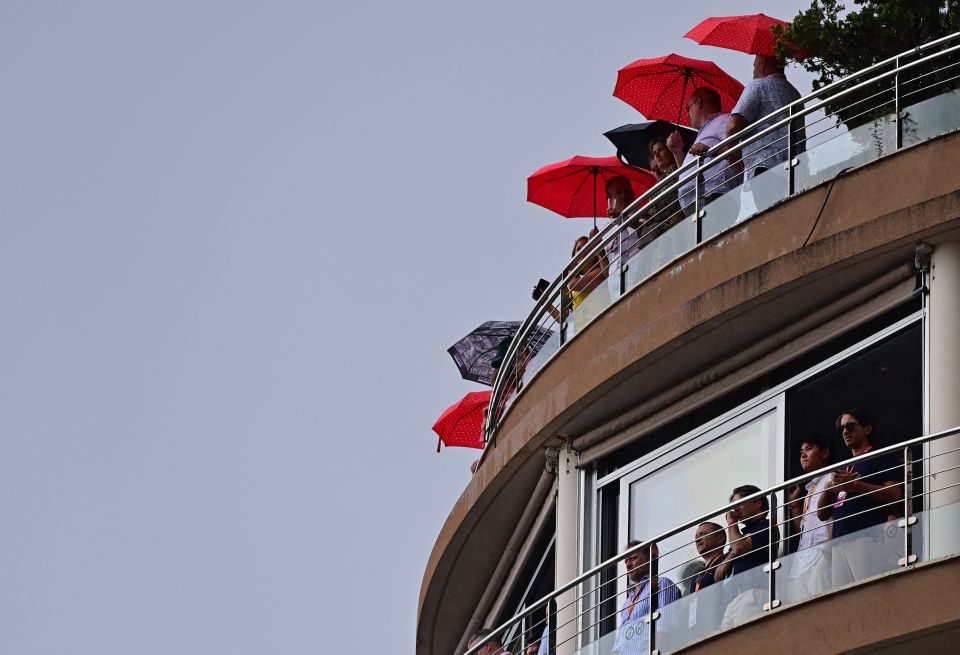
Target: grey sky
x,y
235,242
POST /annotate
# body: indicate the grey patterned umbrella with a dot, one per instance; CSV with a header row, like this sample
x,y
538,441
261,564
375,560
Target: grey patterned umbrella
x,y
474,353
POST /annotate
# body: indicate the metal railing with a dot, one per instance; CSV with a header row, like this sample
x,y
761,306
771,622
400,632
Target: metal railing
x,y
919,521
894,104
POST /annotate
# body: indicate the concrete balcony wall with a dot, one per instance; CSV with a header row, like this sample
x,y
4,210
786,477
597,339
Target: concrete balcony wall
x,y
681,329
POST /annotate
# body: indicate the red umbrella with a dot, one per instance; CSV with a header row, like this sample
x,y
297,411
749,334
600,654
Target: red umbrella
x,y
577,186
661,87
462,423
752,34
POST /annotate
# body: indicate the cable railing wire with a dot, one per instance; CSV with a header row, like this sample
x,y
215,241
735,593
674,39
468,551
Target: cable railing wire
x,y
774,510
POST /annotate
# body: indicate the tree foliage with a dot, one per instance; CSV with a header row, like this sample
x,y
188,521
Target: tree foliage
x,y
839,42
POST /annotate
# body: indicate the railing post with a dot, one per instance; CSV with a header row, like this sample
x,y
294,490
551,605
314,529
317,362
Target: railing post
x,y
621,265
563,316
770,568
654,614
698,201
907,519
552,626
791,149
898,128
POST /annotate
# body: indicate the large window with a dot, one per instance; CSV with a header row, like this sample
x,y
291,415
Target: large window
x,y
690,473
692,478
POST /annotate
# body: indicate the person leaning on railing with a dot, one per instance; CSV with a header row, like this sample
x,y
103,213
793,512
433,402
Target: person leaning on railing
x,y
749,548
711,123
767,92
860,499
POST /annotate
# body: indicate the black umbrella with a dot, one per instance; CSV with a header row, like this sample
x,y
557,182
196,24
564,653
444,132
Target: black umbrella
x,y
473,353
633,139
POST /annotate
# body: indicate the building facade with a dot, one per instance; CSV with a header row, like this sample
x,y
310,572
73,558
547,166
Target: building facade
x,y
716,347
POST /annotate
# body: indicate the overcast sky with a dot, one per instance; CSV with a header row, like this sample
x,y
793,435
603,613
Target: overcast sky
x,y
236,239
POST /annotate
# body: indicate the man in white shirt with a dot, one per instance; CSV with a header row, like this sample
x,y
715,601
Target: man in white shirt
x,y
809,572
711,123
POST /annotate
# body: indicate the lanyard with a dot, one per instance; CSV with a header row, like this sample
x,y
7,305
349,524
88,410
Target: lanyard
x,y
706,570
636,599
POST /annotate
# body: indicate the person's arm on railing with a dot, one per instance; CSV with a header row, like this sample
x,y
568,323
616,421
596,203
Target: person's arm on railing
x,y
736,124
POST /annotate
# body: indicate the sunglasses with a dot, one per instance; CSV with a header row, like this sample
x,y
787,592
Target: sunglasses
x,y
849,427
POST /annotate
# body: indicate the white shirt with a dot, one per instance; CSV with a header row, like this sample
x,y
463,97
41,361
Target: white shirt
x,y
814,532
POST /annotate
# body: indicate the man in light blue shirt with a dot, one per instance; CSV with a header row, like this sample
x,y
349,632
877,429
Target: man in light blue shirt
x,y
633,634
767,92
705,115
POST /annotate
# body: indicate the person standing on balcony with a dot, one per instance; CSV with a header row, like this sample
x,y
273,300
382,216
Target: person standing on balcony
x,y
663,213
749,548
711,123
632,635
709,540
704,606
810,571
859,499
619,196
767,92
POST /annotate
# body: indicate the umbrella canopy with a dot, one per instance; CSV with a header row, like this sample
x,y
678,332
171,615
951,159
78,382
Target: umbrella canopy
x,y
633,140
576,187
474,353
752,34
661,87
462,423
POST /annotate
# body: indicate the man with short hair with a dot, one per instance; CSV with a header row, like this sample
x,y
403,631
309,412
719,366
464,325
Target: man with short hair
x,y
709,540
711,123
749,548
633,633
705,600
810,570
619,196
767,92
859,499
493,646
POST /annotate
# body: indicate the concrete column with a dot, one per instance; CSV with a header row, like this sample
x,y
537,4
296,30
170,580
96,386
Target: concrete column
x,y
944,352
567,547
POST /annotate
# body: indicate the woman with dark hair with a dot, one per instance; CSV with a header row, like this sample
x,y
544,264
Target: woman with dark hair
x,y
859,500
663,213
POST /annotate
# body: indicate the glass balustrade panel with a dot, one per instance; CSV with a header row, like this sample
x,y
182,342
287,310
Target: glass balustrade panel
x,y
666,235
931,118
839,148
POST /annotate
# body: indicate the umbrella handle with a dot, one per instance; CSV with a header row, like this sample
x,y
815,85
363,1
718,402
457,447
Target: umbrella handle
x,y
595,173
683,93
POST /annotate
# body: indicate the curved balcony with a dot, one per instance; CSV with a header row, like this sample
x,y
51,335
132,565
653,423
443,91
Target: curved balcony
x,y
694,309
812,142
881,584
